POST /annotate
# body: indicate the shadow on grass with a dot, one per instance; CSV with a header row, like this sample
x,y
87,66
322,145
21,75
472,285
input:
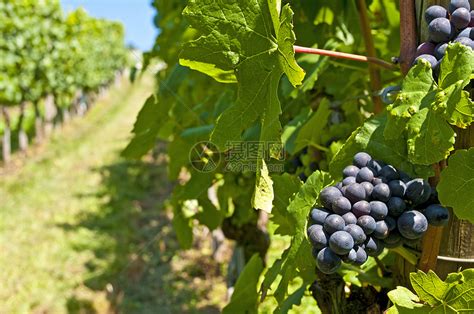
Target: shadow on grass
x,y
134,246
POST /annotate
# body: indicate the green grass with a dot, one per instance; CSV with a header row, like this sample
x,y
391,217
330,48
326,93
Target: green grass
x,y
84,231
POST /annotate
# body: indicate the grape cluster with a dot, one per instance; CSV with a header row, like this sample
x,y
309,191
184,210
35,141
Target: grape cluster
x,y
445,26
373,207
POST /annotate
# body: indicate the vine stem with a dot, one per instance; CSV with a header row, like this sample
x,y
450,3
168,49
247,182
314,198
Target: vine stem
x,y
374,73
347,56
408,38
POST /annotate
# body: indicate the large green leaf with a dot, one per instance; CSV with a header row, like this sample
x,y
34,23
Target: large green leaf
x,y
286,186
456,185
245,296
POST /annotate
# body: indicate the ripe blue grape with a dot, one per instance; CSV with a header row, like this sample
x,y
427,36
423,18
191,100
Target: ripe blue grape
x,y
461,18
396,206
381,230
375,165
378,180
361,159
440,30
381,192
367,223
341,206
356,232
434,12
355,192
418,191
361,208
373,246
378,210
365,175
341,242
456,4
350,257
361,256
327,261
319,215
393,240
368,187
467,32
437,215
329,195
426,48
391,223
389,172
431,59
465,41
348,181
412,224
397,188
349,218
317,236
334,223
440,50
350,171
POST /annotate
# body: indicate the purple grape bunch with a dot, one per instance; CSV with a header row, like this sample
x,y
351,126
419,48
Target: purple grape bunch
x,y
375,206
444,26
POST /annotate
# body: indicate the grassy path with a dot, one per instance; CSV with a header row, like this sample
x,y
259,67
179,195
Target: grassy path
x,y
80,231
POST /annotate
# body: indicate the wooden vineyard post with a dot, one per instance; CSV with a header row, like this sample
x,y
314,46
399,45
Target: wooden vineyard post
x,y
447,249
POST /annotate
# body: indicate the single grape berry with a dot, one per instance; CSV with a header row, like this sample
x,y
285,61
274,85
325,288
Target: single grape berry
x,y
437,215
365,175
361,208
378,210
350,171
465,41
381,230
389,173
426,48
361,159
431,59
397,188
434,12
412,224
349,218
391,223
381,192
396,206
319,215
355,192
329,195
375,165
461,18
317,236
373,247
348,181
378,180
440,30
356,232
367,223
368,187
456,4
341,242
467,32
393,240
361,256
418,191
327,261
334,223
341,206
350,257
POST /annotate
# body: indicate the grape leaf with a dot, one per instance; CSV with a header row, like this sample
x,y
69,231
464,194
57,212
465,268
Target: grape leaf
x,y
293,299
457,65
430,138
286,186
458,180
454,295
245,296
255,42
